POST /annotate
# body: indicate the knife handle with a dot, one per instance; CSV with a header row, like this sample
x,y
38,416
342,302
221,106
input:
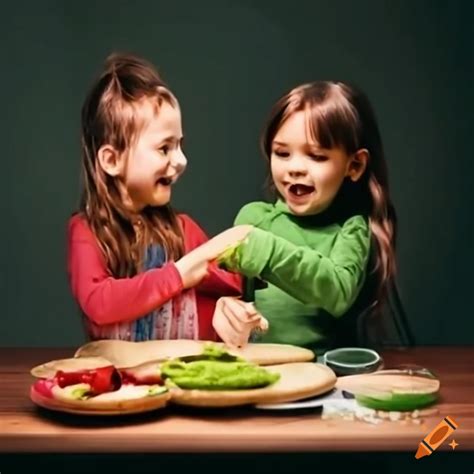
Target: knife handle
x,y
248,289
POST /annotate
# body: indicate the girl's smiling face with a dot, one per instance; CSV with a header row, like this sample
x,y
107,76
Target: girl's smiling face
x,y
153,162
307,176
156,160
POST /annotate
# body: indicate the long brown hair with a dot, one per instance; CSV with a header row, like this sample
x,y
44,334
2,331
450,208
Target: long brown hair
x,y
341,116
110,115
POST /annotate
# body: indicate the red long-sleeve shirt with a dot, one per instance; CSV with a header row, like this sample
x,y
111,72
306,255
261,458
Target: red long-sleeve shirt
x,y
111,304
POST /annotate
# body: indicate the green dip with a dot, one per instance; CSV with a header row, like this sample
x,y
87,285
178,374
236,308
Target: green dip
x,y
216,369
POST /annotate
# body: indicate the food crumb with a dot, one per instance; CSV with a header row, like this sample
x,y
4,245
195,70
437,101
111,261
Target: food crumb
x,y
394,415
351,410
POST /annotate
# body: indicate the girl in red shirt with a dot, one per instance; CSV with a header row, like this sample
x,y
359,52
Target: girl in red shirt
x,y
137,269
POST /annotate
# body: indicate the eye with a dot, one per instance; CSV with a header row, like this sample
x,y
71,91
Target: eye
x,y
317,157
281,153
164,150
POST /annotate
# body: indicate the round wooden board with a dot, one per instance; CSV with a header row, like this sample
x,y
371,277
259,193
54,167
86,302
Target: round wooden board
x,y
100,405
298,380
125,354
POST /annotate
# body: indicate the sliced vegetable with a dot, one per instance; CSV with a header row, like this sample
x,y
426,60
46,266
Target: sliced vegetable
x,y
101,380
398,401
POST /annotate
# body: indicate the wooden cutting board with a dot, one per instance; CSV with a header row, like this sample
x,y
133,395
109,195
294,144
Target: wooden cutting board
x,y
297,381
125,354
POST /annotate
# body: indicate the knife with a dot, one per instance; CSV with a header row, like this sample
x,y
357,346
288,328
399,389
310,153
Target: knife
x,y
248,289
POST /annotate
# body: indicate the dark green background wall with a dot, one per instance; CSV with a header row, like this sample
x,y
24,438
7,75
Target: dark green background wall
x,y
228,61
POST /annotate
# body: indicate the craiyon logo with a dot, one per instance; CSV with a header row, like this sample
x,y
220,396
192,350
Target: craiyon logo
x,y
436,437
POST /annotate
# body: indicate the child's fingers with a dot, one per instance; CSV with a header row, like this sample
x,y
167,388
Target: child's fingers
x,y
263,324
226,332
242,330
219,243
234,319
254,317
251,310
237,308
245,312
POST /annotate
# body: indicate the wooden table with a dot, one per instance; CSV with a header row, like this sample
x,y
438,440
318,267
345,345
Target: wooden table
x,y
28,429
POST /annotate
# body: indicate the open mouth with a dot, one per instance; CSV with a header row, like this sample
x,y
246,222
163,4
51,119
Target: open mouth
x,y
165,181
299,190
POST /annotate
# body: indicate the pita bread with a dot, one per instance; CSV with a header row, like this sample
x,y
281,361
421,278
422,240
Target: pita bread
x,y
49,369
273,354
125,354
392,390
387,382
297,381
128,399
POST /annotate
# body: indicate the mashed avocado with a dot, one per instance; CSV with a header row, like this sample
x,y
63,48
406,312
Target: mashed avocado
x,y
230,257
217,370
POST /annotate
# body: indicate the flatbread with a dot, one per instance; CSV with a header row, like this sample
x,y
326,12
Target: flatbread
x,y
386,382
273,354
392,390
128,399
49,369
125,354
297,381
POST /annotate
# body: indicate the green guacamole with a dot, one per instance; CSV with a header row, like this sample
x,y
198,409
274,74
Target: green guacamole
x,y
217,370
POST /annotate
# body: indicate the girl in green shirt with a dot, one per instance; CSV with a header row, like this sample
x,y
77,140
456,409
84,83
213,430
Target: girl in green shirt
x,y
326,245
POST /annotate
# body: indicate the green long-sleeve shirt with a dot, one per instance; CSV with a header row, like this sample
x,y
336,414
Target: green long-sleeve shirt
x,y
315,267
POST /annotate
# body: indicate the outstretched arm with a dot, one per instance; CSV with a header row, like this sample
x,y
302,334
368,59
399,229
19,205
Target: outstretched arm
x,y
105,299
217,282
330,282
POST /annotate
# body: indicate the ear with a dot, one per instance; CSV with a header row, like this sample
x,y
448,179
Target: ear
x,y
110,160
357,165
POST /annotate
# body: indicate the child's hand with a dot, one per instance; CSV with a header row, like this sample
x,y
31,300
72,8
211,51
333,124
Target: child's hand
x,y
218,244
193,266
234,319
192,269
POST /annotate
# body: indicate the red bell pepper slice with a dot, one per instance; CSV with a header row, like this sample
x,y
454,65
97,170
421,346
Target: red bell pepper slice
x,y
101,380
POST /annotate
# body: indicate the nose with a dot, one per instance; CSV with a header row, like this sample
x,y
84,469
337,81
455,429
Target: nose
x,y
297,165
179,161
